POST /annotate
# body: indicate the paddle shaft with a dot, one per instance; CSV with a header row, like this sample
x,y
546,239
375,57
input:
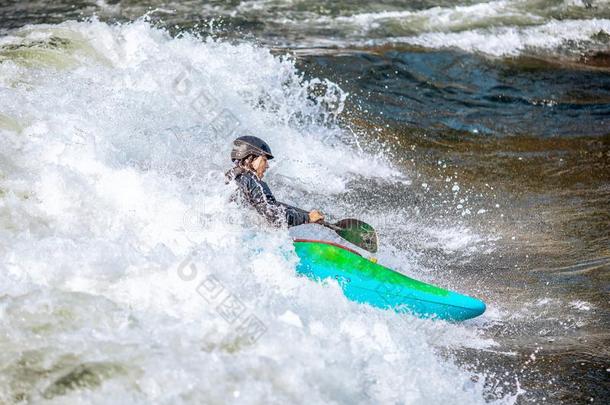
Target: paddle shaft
x,y
329,225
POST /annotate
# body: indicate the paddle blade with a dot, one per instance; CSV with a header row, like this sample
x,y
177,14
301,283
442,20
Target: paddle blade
x,y
359,233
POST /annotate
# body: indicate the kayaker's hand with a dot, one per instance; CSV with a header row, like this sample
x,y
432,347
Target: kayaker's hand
x,y
315,216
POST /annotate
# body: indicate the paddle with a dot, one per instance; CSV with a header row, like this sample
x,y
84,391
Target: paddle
x,y
355,231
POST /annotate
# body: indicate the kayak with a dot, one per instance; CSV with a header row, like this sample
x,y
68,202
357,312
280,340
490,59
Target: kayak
x,y
364,281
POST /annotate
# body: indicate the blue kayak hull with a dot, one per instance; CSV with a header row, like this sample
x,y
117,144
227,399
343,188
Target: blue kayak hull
x,y
369,283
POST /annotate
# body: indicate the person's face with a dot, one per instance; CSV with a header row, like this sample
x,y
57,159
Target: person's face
x,y
260,165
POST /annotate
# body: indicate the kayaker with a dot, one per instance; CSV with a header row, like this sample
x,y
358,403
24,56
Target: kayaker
x,y
250,156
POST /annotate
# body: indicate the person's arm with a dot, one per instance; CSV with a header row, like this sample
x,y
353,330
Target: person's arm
x,y
262,199
295,216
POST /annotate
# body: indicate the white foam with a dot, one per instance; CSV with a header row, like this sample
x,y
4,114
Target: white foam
x,y
103,271
581,305
512,41
496,28
444,18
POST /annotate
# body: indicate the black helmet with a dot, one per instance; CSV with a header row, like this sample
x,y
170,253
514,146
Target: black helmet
x,y
245,146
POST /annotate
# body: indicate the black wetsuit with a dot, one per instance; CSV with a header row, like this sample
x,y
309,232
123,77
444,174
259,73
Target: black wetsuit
x,y
257,193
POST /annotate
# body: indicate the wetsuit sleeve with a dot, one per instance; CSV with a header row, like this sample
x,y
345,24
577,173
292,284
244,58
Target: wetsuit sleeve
x,y
260,197
295,216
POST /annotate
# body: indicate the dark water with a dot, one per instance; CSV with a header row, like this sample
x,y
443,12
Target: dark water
x,y
533,138
526,135
446,91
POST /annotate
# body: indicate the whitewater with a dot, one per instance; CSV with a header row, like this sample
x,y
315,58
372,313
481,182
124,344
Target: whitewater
x,y
119,247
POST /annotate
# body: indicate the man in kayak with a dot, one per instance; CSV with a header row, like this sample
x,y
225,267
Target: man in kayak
x,y
250,156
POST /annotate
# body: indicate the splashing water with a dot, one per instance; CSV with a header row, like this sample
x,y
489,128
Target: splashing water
x,y
125,274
